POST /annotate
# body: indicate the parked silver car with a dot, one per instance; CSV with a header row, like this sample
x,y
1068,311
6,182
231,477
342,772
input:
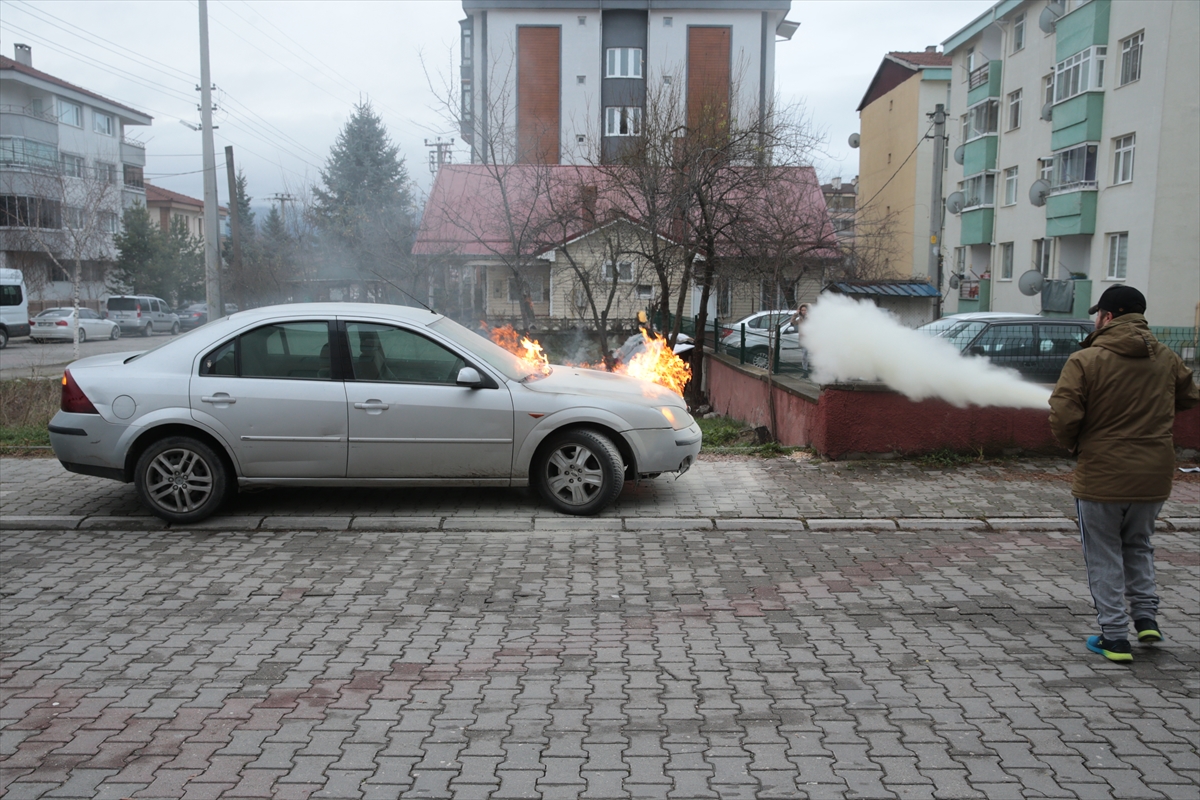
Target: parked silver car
x,y
340,394
758,338
58,324
141,314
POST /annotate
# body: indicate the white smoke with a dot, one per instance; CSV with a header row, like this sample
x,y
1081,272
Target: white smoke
x,y
848,340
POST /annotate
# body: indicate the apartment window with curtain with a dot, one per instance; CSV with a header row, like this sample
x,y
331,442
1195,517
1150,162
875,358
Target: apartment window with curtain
x,y
1006,261
983,119
70,113
623,62
1131,58
1018,34
1014,110
1010,186
1043,259
1082,72
1118,250
1123,159
622,121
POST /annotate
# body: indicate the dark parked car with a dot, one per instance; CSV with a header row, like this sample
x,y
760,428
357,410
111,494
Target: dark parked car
x,y
196,314
1035,346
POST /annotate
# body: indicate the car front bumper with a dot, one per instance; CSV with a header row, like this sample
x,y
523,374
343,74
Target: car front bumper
x,y
665,450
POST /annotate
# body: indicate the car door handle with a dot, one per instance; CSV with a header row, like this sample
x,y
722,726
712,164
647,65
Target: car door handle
x,y
372,405
219,398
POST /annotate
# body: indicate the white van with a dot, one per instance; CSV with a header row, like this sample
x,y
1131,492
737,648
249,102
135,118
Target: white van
x,y
14,306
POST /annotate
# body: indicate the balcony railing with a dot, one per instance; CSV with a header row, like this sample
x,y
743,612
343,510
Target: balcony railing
x,y
979,76
28,112
133,143
1075,186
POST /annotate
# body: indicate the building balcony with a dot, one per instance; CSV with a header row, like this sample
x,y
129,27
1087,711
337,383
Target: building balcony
x,y
979,154
1077,120
1071,212
983,83
976,226
26,124
133,153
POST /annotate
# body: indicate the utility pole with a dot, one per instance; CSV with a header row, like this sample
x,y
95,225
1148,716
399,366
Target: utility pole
x,y
212,233
235,225
935,204
441,154
282,198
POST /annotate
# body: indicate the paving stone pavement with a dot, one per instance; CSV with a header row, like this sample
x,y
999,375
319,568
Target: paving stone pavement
x,y
856,631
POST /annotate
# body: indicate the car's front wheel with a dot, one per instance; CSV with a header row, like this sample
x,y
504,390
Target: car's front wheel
x,y
181,479
175,329
148,330
579,472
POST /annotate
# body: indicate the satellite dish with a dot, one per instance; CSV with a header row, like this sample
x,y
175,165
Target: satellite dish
x,y
1038,192
1031,282
959,153
1050,16
855,140
954,203
955,281
1048,111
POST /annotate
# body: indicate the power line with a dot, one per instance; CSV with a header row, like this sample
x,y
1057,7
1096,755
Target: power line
x,y
897,172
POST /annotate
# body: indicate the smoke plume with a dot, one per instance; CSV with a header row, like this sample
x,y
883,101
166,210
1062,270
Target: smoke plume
x,y
848,340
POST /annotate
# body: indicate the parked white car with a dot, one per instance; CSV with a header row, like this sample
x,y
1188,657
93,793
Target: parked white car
x,y
758,337
342,394
58,324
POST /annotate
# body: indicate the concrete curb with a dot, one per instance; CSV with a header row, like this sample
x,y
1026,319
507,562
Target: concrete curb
x,y
567,524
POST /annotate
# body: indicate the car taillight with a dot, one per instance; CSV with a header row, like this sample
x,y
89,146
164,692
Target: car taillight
x,y
74,401
726,332
61,323
139,310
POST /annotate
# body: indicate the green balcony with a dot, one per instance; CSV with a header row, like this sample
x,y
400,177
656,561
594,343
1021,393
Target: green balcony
x,y
1071,213
979,155
1082,28
977,226
990,87
981,303
1077,120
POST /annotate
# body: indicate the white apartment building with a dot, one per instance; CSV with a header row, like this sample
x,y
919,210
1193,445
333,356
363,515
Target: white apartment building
x,y
67,171
1075,127
545,81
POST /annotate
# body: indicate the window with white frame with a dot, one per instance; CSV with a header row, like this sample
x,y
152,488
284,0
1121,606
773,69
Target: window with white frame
x,y
1118,251
624,272
106,172
965,127
971,61
1131,58
622,121
70,113
1043,256
1082,72
1075,168
73,217
1046,169
960,260
1006,261
72,166
979,190
1014,110
535,290
1010,186
645,291
983,119
103,123
1018,33
1048,89
110,222
623,62
1123,158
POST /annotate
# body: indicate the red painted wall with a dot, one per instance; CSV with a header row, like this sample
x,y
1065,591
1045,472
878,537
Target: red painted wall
x,y
845,422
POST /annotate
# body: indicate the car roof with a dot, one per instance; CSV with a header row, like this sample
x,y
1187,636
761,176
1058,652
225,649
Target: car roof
x,y
419,316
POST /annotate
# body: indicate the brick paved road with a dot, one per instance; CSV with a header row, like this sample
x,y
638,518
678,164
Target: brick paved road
x,y
591,663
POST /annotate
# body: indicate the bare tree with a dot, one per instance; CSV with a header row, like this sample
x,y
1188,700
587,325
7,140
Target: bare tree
x,y
67,211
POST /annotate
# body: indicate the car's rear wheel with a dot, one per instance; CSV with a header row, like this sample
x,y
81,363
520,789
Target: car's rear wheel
x,y
3,338
82,336
148,330
181,479
175,329
116,332
579,472
759,357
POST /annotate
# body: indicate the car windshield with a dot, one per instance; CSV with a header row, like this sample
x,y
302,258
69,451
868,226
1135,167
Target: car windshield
x,y
512,366
940,327
122,304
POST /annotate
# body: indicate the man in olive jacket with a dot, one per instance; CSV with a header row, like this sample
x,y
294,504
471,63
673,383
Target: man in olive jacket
x,y
1114,406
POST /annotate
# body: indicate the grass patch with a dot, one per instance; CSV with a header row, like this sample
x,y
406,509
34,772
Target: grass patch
x,y
26,407
725,436
947,459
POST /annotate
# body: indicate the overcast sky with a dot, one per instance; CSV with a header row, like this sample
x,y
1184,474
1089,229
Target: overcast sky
x,y
289,73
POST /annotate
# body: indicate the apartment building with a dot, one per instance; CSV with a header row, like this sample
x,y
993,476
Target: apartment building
x,y
567,81
165,205
896,158
840,198
67,170
1075,130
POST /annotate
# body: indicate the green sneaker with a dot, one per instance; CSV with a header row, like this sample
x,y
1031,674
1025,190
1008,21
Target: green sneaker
x,y
1112,649
1147,631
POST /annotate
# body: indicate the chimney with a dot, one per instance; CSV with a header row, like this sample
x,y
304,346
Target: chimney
x,y
22,54
837,183
932,48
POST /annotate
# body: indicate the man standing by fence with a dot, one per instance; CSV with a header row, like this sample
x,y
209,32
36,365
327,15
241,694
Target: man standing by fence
x,y
1114,406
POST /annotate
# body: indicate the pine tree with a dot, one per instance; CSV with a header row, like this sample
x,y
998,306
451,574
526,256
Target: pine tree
x,y
138,267
183,262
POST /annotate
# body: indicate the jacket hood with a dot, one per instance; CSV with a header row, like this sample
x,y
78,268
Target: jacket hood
x,y
1128,336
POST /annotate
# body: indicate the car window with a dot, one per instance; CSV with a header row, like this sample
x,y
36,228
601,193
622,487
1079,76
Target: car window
x,y
56,312
510,365
285,350
1005,342
87,313
122,304
222,361
385,353
962,333
1060,340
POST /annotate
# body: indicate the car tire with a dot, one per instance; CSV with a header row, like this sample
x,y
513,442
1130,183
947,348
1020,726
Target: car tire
x,y
116,332
175,329
148,330
579,472
82,336
181,479
3,338
759,357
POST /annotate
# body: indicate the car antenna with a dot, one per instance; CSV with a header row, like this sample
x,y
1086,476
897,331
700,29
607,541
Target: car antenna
x,y
398,289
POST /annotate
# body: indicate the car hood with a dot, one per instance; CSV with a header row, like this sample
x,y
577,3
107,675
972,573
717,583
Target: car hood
x,y
595,383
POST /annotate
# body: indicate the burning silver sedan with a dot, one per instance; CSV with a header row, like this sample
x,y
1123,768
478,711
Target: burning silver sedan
x,y
340,394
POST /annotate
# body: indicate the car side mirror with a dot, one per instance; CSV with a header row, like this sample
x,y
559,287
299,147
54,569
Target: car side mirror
x,y
977,351
470,377
790,329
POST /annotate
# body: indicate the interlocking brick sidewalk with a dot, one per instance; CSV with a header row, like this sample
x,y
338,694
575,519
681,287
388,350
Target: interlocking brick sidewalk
x,y
636,655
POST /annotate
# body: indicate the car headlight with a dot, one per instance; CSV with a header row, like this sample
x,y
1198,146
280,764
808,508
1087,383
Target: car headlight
x,y
676,417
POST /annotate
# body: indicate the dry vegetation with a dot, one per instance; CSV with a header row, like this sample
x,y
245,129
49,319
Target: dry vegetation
x,y
26,406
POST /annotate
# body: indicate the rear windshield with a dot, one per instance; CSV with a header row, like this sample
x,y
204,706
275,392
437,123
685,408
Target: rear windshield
x,y
122,304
